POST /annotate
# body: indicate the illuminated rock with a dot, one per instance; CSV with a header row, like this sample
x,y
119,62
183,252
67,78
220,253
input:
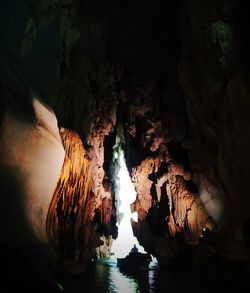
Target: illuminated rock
x,y
34,152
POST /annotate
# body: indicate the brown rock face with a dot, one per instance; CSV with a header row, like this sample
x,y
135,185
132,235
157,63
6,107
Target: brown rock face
x,y
170,214
80,213
73,205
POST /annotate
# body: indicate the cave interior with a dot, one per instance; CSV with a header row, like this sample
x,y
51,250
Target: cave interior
x,y
165,82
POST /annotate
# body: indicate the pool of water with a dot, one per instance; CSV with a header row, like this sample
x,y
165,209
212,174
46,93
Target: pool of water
x,y
108,278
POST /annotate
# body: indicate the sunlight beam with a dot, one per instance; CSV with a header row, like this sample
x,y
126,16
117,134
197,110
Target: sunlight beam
x,y
126,195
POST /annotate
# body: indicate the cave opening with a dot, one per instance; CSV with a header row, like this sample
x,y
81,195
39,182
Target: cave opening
x,y
125,195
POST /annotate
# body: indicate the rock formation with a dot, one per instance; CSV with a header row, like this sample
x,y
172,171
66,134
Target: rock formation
x,y
31,158
79,218
216,90
175,76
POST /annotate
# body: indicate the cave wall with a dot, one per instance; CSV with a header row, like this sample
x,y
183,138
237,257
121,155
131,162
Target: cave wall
x,y
214,78
174,75
45,41
81,217
171,214
31,158
34,152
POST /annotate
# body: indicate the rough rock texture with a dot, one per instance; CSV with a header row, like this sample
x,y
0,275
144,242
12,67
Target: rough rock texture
x,y
84,102
171,215
73,197
91,79
79,218
175,75
217,97
103,123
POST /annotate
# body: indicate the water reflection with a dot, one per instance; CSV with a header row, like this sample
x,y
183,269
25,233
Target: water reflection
x,y
120,283
108,278
124,282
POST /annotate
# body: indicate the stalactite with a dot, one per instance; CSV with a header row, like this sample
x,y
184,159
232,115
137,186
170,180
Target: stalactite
x,y
80,214
73,204
186,216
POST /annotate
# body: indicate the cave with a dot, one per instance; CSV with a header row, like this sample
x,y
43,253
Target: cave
x,y
158,89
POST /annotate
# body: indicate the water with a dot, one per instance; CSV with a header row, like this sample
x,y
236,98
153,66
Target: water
x,y
108,278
